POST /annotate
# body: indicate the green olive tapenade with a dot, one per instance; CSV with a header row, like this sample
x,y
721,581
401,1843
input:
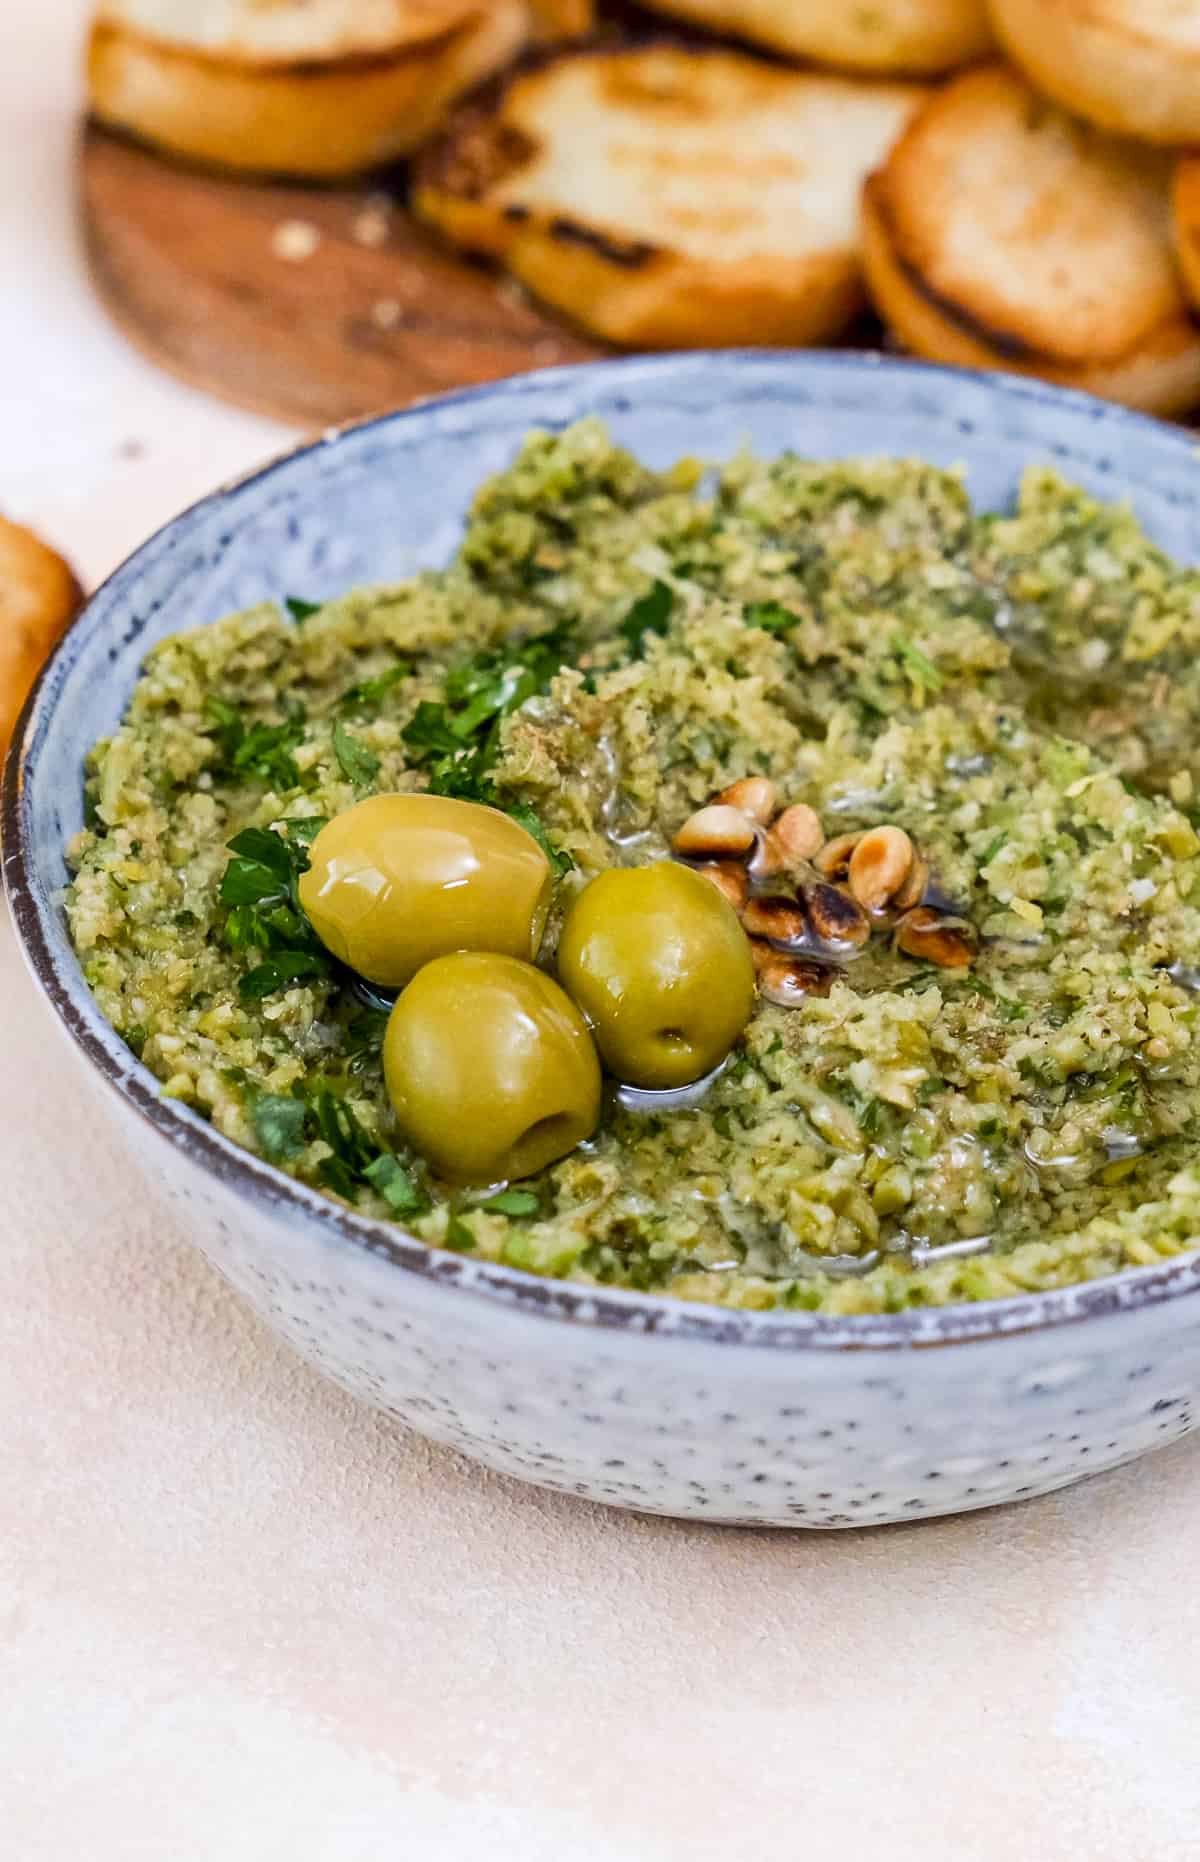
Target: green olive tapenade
x,y
613,650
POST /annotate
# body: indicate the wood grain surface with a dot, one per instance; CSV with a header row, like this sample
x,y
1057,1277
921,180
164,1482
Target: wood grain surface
x,y
310,305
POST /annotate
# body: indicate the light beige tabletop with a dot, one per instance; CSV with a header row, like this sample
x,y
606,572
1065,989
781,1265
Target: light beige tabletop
x,y
244,1620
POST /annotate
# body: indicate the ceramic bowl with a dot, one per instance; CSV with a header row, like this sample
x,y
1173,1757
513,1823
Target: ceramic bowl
x,y
789,1419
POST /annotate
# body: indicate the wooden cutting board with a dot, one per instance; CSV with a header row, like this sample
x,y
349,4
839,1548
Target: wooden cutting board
x,y
312,305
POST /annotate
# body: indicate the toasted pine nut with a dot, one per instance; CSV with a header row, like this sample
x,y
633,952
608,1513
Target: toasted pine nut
x,y
788,981
762,953
912,892
948,942
717,832
729,877
790,843
879,866
832,860
780,919
756,796
835,917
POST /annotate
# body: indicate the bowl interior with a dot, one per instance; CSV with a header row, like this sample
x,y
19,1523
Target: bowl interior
x,y
383,499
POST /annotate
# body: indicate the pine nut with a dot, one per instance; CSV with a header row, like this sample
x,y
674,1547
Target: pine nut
x,y
790,843
756,796
947,942
717,832
832,860
835,917
729,877
788,981
780,919
879,865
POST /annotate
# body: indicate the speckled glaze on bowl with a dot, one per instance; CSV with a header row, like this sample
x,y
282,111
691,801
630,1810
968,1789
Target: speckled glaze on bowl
x,y
787,1419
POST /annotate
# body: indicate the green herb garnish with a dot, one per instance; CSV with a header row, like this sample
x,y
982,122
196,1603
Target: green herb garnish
x,y
262,750
365,698
770,615
922,671
279,1124
396,1185
364,1038
357,764
560,861
649,614
458,1235
457,742
300,609
285,966
259,888
513,1202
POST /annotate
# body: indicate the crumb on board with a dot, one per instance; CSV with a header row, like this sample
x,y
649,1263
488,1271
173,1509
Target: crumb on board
x,y
295,240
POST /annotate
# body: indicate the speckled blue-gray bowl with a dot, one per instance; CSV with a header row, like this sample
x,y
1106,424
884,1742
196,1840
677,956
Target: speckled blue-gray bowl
x,y
787,1419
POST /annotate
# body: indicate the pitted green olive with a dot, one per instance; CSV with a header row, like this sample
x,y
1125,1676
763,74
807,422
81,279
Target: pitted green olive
x,y
657,961
490,1068
399,879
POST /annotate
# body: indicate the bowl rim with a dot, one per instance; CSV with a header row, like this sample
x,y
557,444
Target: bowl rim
x,y
187,1131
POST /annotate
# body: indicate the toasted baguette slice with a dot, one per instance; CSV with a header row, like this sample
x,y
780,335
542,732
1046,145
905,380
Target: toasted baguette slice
x,y
319,91
670,197
563,19
914,36
1003,234
39,596
1129,65
1185,213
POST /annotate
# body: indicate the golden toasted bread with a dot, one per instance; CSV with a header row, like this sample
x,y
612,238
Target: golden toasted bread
x,y
1185,214
314,88
39,596
913,36
1129,65
563,19
667,196
1001,233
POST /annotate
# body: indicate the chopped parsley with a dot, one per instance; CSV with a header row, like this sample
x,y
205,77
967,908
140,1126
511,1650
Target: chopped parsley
x,y
259,887
921,671
285,1123
649,614
255,750
457,742
396,1185
513,1202
560,861
357,764
300,609
365,699
458,1235
279,1125
770,615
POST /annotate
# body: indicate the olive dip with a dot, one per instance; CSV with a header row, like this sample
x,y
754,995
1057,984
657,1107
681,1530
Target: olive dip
x,y
941,765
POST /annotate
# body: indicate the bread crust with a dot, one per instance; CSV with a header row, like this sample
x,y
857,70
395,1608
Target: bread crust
x,y
917,37
652,197
319,119
288,32
39,597
1132,66
1185,223
1160,376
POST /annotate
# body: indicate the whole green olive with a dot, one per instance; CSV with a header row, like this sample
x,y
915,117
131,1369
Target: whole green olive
x,y
657,961
490,1068
399,879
